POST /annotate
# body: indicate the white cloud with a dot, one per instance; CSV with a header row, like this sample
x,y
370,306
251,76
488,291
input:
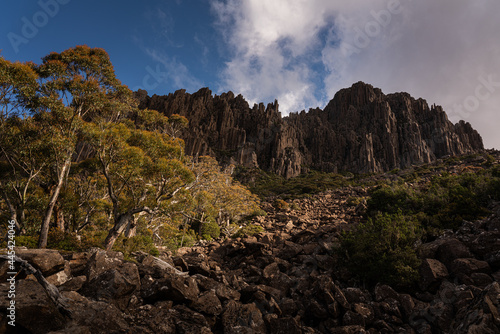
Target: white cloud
x,y
170,70
303,51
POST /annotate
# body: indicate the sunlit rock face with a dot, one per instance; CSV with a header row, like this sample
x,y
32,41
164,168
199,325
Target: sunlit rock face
x,y
361,130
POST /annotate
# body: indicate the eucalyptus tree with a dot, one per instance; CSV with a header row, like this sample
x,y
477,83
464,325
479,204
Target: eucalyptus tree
x,y
22,146
76,86
143,169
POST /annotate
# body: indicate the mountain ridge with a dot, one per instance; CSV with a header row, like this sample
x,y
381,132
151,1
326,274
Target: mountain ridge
x,y
360,130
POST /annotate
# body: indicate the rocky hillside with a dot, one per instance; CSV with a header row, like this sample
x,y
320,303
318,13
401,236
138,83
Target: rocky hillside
x,y
287,279
360,130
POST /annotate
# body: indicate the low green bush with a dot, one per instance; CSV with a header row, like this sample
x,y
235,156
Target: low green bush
x,y
248,230
382,250
391,199
26,241
133,244
58,239
209,231
267,185
280,204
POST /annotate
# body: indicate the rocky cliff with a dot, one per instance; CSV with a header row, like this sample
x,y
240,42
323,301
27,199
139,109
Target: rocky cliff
x,y
360,130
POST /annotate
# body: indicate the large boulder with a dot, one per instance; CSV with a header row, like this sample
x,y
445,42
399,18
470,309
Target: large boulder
x,y
486,243
35,312
78,262
432,272
101,261
242,319
208,303
96,316
111,279
469,266
48,261
176,288
450,250
115,286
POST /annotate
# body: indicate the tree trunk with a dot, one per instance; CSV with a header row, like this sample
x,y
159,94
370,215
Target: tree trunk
x,y
131,230
44,230
12,209
59,300
121,223
59,215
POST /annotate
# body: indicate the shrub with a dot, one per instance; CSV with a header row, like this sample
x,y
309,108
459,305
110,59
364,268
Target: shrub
x,y
382,250
490,160
391,199
137,243
26,241
495,172
58,239
209,231
184,239
258,213
92,239
355,200
248,230
281,204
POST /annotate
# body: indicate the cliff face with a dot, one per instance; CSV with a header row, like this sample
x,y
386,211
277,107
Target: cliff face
x,y
360,130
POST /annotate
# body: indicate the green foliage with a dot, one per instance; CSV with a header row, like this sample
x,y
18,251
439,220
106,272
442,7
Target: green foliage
x,y
26,241
63,241
248,230
185,238
495,172
258,212
210,231
382,250
355,200
391,198
133,244
443,203
395,171
73,142
280,204
214,197
490,160
91,239
271,185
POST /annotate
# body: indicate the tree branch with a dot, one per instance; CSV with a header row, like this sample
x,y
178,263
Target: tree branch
x,y
53,293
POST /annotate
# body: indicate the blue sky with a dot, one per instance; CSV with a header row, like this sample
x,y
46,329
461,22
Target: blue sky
x,y
297,51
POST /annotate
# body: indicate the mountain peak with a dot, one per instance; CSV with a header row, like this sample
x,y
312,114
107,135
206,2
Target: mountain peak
x,y
360,130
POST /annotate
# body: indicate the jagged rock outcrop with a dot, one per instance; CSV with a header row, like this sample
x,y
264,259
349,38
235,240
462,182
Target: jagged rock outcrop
x,y
360,130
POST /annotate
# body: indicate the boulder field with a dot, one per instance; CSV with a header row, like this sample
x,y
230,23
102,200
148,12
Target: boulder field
x,y
284,280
